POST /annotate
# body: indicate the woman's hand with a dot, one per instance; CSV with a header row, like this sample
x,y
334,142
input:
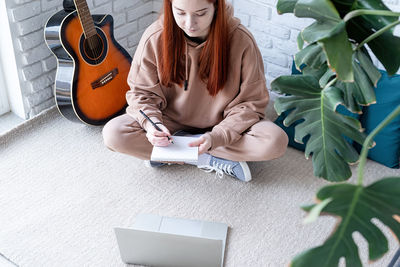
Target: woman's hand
x,y
155,137
203,142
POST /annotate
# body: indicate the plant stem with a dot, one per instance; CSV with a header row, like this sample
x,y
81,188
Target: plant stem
x,y
368,141
376,34
361,12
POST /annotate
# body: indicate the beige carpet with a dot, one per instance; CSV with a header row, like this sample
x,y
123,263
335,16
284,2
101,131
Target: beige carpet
x,y
62,192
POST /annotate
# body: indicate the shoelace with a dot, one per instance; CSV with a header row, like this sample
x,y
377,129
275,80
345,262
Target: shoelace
x,y
219,169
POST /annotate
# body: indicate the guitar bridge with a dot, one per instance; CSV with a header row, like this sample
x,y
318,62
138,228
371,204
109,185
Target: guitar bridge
x,y
106,78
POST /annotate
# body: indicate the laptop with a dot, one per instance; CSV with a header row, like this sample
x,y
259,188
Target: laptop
x,y
165,241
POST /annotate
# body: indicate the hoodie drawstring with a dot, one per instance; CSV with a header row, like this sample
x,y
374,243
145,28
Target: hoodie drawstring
x,y
186,67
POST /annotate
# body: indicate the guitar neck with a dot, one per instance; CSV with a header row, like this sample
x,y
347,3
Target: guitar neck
x,y
85,18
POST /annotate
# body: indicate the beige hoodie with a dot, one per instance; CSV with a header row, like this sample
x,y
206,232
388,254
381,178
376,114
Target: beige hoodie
x,y
232,111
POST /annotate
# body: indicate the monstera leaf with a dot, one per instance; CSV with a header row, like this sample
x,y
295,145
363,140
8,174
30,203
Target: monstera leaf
x,y
312,56
360,92
326,128
286,6
330,31
356,206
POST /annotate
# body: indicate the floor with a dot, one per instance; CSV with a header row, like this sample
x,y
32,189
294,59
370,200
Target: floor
x,y
9,121
150,185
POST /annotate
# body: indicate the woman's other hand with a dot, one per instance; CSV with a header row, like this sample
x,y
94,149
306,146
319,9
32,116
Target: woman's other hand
x,y
203,142
155,137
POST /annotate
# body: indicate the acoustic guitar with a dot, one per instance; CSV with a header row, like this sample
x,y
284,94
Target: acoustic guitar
x,y
92,68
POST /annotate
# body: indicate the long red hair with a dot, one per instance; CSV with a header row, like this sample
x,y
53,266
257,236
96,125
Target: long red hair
x,y
214,55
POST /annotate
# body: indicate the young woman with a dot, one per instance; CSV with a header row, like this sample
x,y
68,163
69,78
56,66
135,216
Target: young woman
x,y
198,70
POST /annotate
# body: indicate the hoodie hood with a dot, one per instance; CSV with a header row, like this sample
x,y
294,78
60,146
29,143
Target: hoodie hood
x,y
233,22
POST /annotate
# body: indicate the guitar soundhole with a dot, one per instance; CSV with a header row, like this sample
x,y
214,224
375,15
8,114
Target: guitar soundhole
x,y
93,47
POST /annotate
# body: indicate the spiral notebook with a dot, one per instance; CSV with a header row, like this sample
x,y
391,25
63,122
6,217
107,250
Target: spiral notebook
x,y
179,151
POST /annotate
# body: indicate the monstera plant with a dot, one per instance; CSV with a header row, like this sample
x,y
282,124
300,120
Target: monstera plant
x,y
337,70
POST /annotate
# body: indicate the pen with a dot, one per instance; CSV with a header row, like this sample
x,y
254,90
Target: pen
x,y
155,125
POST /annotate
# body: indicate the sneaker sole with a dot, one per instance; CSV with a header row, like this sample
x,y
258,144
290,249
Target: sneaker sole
x,y
246,171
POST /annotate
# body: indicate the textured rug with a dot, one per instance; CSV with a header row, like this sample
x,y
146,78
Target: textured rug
x,y
62,192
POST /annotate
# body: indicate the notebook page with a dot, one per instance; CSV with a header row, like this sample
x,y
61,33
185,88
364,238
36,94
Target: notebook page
x,y
179,151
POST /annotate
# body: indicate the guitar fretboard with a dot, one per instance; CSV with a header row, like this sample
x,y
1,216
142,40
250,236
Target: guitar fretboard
x,y
86,18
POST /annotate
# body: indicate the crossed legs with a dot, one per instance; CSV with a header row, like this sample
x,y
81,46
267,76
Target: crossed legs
x,y
262,141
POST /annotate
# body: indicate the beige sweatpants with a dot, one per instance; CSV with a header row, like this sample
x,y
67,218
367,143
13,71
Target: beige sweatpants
x,y
262,141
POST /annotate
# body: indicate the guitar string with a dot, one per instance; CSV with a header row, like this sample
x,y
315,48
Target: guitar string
x,y
95,43
92,41
97,48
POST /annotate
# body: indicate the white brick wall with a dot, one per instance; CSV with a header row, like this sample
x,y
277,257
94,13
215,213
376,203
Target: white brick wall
x,y
37,66
275,34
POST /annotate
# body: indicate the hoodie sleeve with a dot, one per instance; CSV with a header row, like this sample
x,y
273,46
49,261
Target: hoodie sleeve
x,y
248,107
145,91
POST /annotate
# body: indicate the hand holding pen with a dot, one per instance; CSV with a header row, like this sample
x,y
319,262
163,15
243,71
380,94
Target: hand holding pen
x,y
157,133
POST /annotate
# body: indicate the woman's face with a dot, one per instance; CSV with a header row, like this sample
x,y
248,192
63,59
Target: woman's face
x,y
194,17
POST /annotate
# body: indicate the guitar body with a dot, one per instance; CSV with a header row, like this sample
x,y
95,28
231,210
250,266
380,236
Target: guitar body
x,y
91,80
